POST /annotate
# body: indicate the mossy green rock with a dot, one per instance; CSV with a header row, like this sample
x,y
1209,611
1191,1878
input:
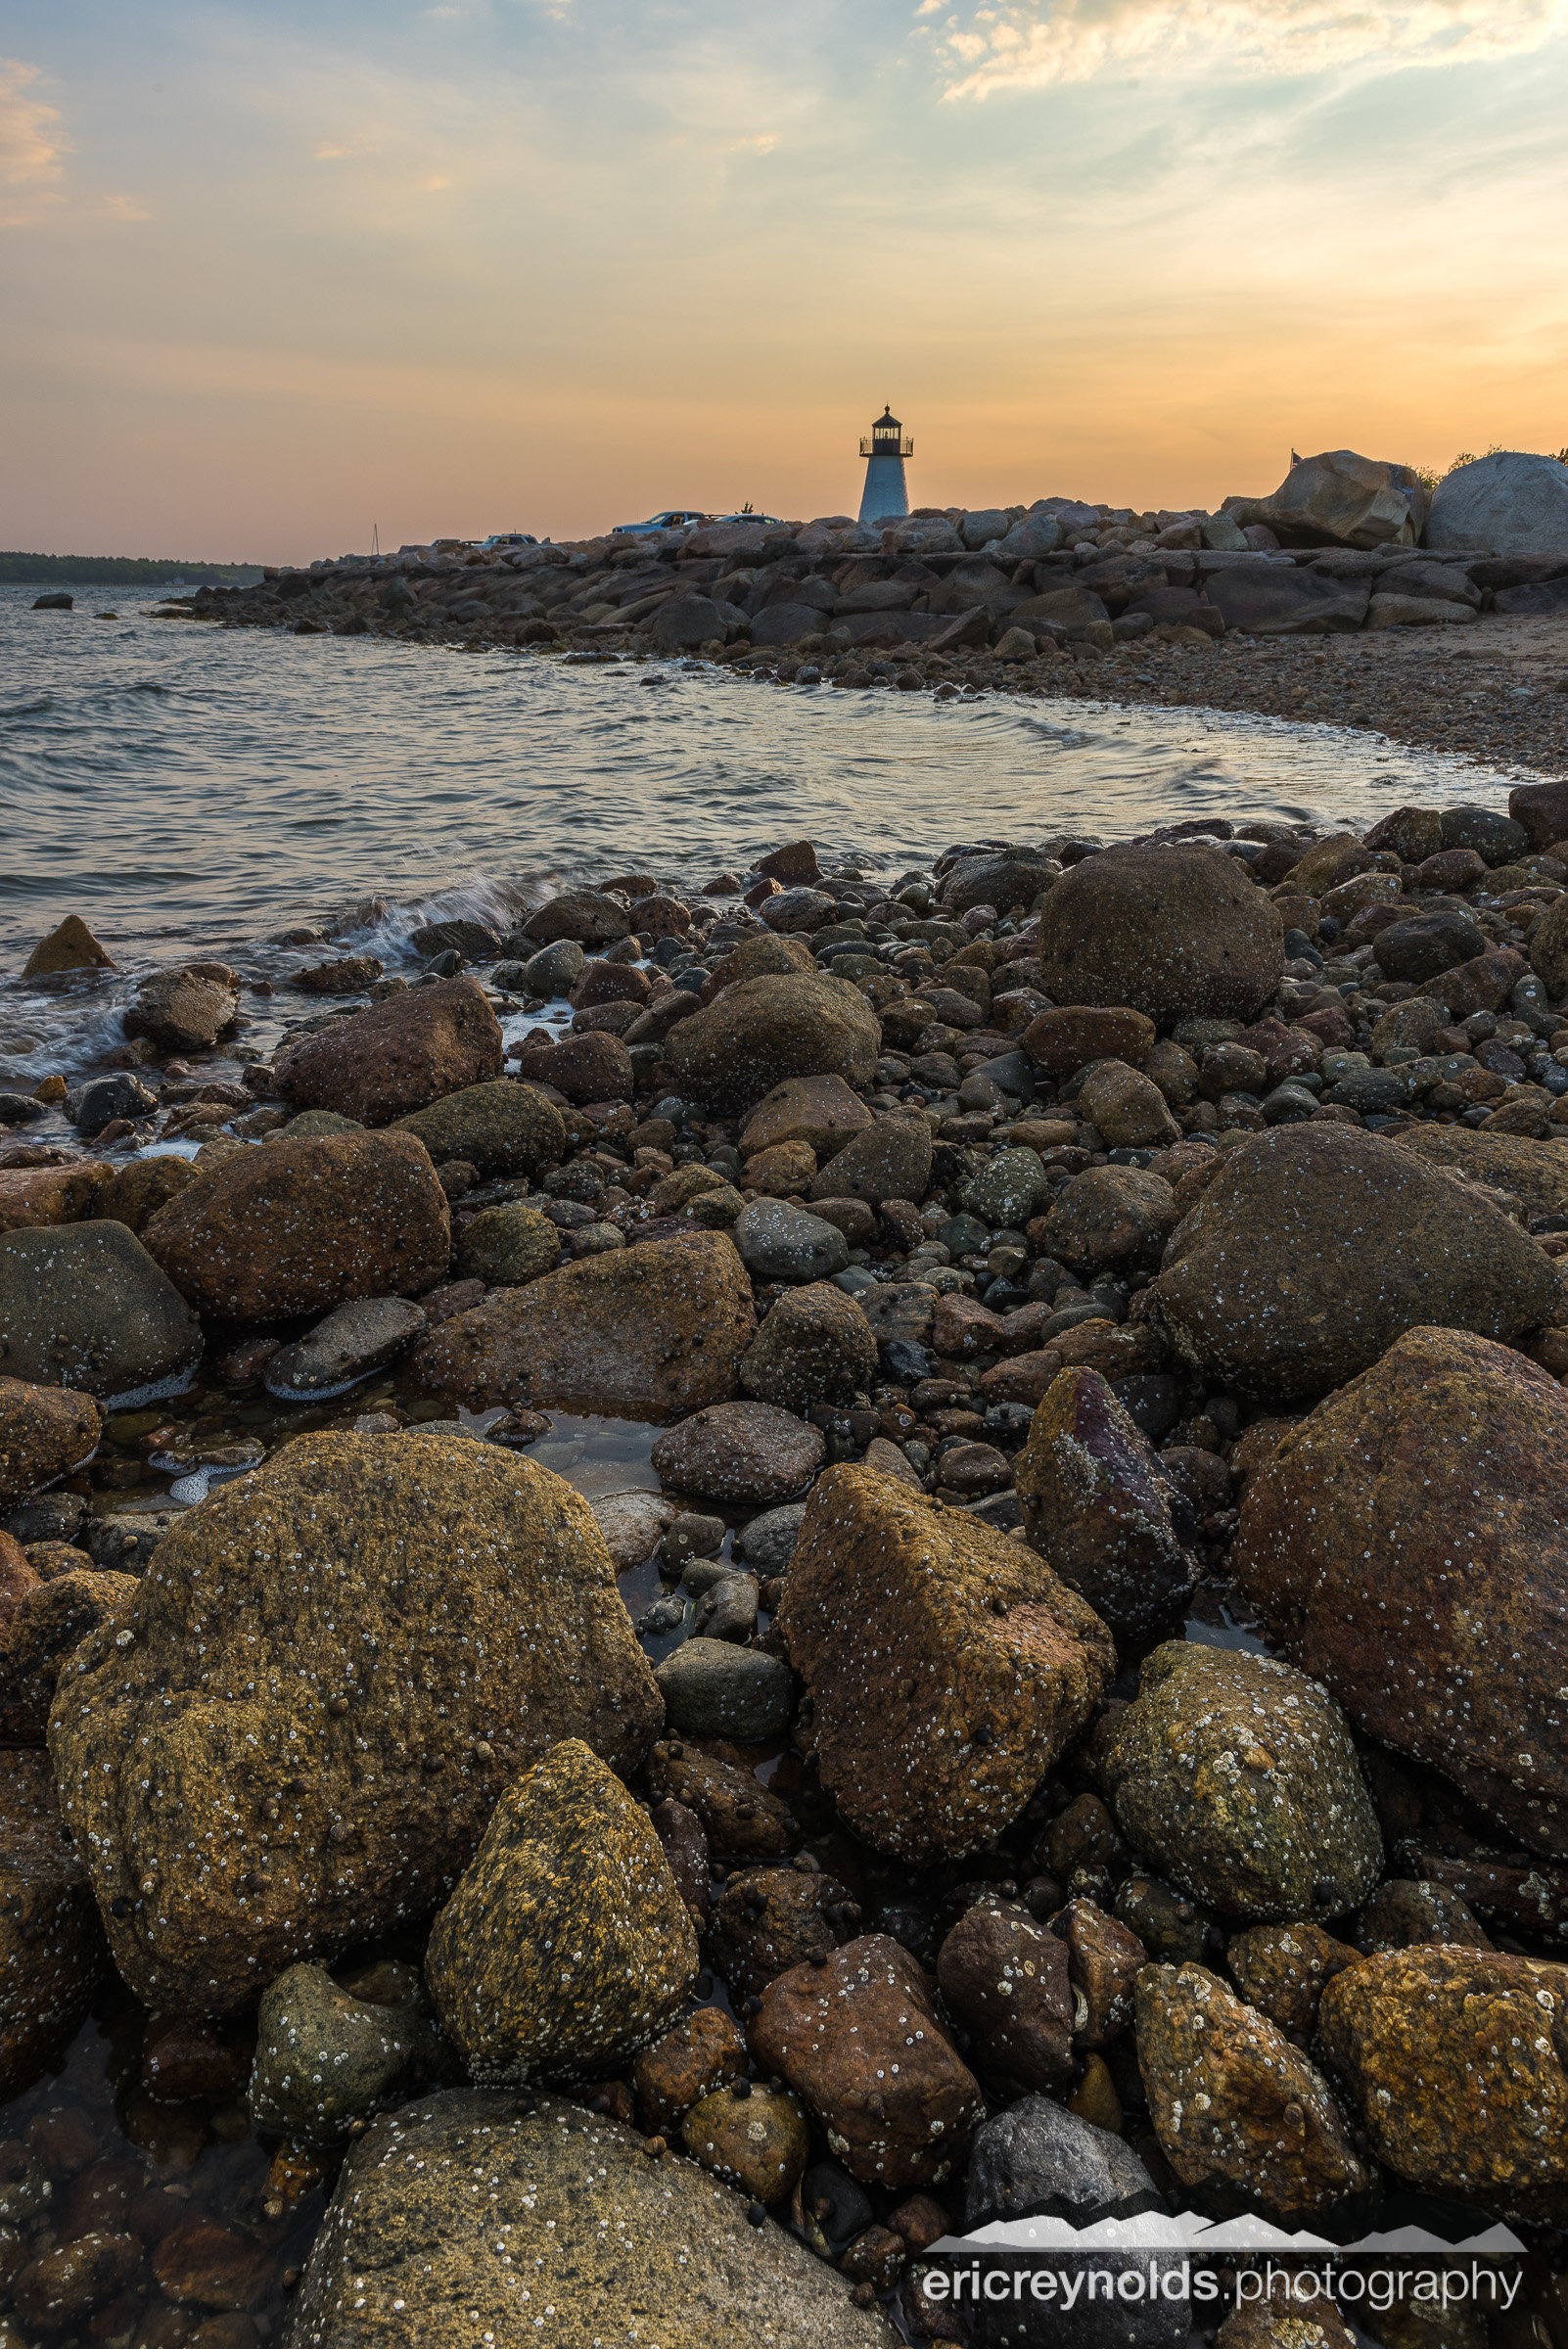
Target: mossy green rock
x,y
566,1945
575,2223
325,2057
500,1128
1236,1775
508,1245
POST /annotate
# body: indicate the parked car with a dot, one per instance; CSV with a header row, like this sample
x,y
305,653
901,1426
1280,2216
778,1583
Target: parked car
x,y
674,518
504,538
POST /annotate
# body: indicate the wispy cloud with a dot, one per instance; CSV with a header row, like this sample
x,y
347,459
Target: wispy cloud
x,y
32,144
1030,44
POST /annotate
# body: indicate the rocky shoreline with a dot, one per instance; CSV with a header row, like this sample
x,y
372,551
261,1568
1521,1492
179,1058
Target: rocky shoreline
x,y
1063,1711
1455,651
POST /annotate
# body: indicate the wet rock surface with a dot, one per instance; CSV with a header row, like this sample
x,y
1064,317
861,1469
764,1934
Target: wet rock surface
x,y
1456,2059
498,1127
1238,1776
302,1226
44,1431
1242,2117
53,1956
566,1944
743,1451
336,1667
642,1332
1170,932
1314,1249
983,1668
86,1307
584,2218
397,1057
1404,1544
762,1031
1099,1510
859,2042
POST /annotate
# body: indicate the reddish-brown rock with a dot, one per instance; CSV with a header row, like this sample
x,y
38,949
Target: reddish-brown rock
x,y
770,1919
1315,1246
301,1227
1061,1041
184,1010
62,1194
44,1431
396,1057
1404,1545
859,2040
737,1813
1284,1970
1459,2060
41,1623
642,1333
762,1031
946,1664
1006,1980
677,2071
594,1066
1100,1510
1244,2120
1104,1962
70,947
1173,932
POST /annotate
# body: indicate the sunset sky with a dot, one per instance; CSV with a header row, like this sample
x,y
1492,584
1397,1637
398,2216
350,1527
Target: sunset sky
x,y
272,273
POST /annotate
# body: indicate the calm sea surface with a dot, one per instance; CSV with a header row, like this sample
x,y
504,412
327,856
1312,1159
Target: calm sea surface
x,y
184,786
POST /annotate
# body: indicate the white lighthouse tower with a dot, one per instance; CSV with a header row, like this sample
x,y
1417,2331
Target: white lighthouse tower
x,y
886,495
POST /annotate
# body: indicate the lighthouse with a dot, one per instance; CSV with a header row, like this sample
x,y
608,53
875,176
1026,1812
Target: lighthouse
x,y
886,494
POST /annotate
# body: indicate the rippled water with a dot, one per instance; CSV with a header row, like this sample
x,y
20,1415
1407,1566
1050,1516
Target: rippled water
x,y
180,785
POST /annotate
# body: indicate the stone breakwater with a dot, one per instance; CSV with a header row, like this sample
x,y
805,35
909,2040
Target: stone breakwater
x,y
829,1839
1461,650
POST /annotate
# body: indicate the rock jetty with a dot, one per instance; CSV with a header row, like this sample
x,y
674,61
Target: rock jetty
x,y
1348,590
1066,1710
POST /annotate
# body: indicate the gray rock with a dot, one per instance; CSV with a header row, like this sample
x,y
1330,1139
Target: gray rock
x,y
1272,599
769,1542
1008,1189
713,1689
1039,2160
91,1107
1513,504
21,1109
352,1339
686,622
1497,837
780,1242
325,2057
554,968
575,2212
631,1523
83,1304
46,1517
727,1608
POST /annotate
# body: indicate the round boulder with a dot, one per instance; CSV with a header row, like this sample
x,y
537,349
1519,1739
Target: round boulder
x,y
815,1346
761,1030
748,1452
1177,932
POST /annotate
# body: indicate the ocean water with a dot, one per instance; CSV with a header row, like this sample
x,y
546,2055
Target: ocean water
x,y
188,788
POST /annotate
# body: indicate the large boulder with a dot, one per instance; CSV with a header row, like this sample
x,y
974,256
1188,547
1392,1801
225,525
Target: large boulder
x,y
64,1194
1244,2120
820,1111
1238,1776
185,1010
1536,1174
933,1735
53,1956
1341,499
292,1737
576,2214
587,918
761,1030
1275,599
859,2040
83,1304
641,1333
1004,878
396,1057
815,1347
566,1946
499,1129
1510,503
1404,1545
594,1066
1178,933
1100,1509
889,1160
44,1432
302,1226
1457,2060
1315,1246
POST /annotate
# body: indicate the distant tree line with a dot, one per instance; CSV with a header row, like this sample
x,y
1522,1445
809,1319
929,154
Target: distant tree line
x,y
122,570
